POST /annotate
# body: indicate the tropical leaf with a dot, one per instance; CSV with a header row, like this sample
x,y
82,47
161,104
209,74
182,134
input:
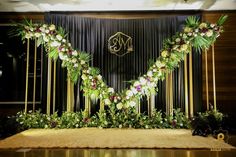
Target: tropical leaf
x,y
94,71
84,56
200,43
192,21
222,20
53,54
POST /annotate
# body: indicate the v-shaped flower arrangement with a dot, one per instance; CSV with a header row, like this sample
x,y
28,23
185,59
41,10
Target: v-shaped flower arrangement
x,y
195,34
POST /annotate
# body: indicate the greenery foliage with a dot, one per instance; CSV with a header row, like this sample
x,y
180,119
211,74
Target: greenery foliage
x,y
111,118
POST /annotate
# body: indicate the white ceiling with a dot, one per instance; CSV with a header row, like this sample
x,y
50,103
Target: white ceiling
x,y
113,5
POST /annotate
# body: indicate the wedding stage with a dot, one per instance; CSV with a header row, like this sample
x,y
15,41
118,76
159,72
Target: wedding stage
x,y
111,138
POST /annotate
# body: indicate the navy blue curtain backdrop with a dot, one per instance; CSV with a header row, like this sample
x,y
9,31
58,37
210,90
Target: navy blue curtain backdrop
x,y
91,35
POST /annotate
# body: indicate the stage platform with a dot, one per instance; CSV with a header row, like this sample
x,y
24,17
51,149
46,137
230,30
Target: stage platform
x,y
111,138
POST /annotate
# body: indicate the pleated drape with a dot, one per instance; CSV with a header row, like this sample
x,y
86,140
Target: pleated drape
x,y
92,34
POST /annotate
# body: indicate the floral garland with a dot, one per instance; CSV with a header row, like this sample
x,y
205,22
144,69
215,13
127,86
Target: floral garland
x,y
195,34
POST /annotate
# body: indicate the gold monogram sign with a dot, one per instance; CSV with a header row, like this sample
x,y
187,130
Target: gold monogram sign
x,y
120,44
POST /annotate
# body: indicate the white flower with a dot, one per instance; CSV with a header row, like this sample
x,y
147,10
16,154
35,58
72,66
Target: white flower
x,y
63,40
99,77
202,34
74,53
62,56
55,44
132,104
59,37
134,90
26,27
142,80
45,39
190,34
69,44
74,60
119,106
159,73
209,33
127,97
136,83
42,29
37,34
111,90
196,30
184,47
76,65
82,62
164,53
212,25
149,73
202,25
90,77
129,93
27,36
177,40
107,101
187,29
52,27
120,126
46,31
44,25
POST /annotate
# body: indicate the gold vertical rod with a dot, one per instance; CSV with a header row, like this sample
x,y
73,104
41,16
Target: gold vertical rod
x,y
138,106
89,106
149,107
86,104
35,64
68,95
167,95
206,73
101,106
186,84
72,97
54,87
214,78
152,103
171,93
27,75
49,85
191,82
